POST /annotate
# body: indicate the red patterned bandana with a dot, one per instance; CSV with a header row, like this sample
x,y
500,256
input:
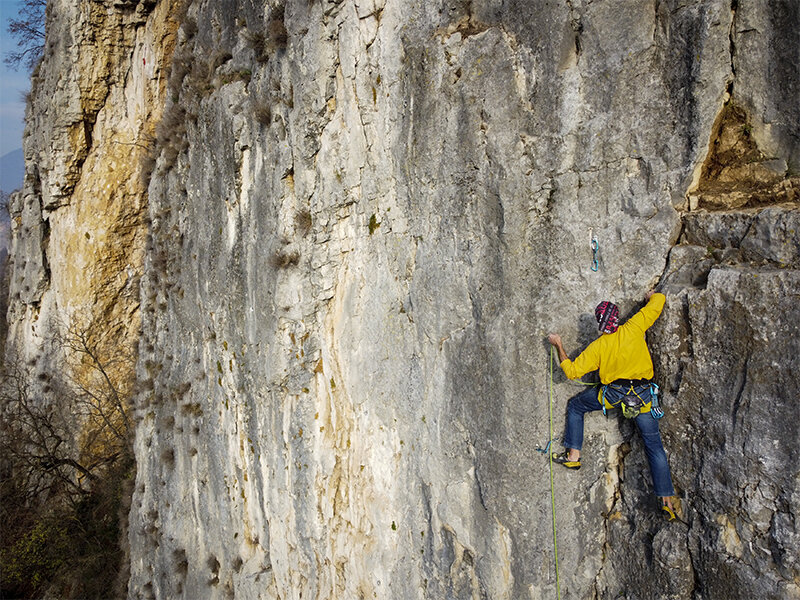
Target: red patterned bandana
x,y
607,315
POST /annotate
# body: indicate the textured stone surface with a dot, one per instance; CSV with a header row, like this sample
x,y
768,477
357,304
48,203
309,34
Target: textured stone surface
x,y
365,216
79,221
765,41
732,429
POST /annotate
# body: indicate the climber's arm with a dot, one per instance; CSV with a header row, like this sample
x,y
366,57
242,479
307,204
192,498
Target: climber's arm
x,y
588,360
648,315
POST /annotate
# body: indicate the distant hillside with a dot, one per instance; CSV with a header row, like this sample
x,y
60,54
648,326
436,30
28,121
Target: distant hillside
x,y
12,170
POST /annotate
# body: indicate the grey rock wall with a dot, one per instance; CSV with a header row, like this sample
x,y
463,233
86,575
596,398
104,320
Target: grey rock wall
x,y
356,290
731,328
364,218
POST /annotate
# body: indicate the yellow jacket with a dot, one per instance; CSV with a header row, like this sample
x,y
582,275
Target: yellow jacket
x,y
622,354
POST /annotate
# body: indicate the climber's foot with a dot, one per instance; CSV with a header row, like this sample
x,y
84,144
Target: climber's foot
x,y
563,458
667,510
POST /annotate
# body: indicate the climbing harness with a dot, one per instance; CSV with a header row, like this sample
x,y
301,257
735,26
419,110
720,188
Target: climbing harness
x,y
631,403
595,248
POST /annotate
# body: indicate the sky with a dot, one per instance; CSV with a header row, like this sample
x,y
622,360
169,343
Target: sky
x,y
13,85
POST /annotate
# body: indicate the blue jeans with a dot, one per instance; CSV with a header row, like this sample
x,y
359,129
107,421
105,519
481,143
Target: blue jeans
x,y
587,401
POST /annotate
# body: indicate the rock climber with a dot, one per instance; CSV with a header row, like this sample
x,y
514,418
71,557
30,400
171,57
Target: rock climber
x,y
626,370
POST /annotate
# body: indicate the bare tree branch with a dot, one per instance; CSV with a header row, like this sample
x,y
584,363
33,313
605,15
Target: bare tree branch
x,y
82,426
29,31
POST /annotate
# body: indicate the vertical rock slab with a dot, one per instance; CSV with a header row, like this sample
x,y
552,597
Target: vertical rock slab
x,y
78,241
367,215
764,41
80,220
728,325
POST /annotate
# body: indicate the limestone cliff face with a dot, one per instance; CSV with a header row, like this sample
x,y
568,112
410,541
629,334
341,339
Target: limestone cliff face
x,y
79,223
363,219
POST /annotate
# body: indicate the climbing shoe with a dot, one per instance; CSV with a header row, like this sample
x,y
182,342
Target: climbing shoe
x,y
561,458
668,513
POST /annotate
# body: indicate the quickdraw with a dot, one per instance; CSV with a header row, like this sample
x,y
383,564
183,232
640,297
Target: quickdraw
x,y
595,248
655,410
546,449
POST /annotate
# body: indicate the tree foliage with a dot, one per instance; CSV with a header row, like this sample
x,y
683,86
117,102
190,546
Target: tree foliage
x,y
28,29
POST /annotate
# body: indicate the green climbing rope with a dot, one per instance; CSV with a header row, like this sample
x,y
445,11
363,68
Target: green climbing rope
x,y
579,383
552,485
